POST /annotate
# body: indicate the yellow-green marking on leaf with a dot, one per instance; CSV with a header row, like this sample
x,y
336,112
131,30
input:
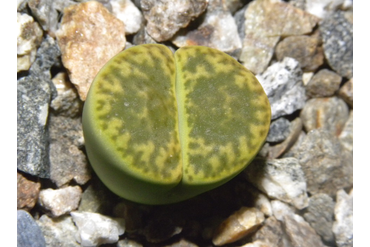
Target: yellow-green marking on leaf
x,y
161,128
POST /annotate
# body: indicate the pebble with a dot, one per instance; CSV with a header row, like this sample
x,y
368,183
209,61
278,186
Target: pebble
x,y
60,201
252,197
217,30
322,8
281,179
27,192
327,165
29,37
47,12
128,243
33,97
257,243
28,232
47,56
306,49
96,198
283,148
59,231
67,160
343,224
346,92
129,14
142,37
320,214
329,114
271,232
279,130
166,17
88,32
96,229
265,22
298,232
337,34
323,84
238,225
66,103
282,82
34,93
346,136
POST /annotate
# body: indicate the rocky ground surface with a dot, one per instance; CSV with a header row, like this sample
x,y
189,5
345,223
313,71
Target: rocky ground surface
x,y
297,192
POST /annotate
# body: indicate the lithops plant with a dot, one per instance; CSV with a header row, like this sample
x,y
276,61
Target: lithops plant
x,y
161,127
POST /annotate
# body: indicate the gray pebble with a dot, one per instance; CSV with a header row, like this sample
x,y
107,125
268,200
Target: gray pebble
x,y
337,34
279,130
28,232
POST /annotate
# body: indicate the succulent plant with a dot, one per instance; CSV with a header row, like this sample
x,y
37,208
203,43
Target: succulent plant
x,y
161,127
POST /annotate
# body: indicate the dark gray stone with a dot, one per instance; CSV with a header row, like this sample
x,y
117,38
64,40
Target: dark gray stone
x,y
271,232
34,93
33,97
337,34
279,130
28,232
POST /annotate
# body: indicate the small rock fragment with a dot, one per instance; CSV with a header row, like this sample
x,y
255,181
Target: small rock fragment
x,y
279,130
323,84
329,114
47,12
294,133
88,37
96,229
300,232
67,161
327,165
142,37
29,36
346,92
28,232
27,192
283,85
218,30
130,243
129,14
166,17
322,8
257,243
33,97
307,50
265,22
58,231
337,34
271,232
60,201
346,136
66,103
238,225
281,179
343,225
320,214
